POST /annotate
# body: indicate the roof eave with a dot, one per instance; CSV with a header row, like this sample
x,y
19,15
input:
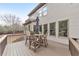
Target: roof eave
x,y
36,8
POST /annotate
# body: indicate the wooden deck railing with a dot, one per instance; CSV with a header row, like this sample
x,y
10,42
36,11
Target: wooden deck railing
x,y
74,47
3,43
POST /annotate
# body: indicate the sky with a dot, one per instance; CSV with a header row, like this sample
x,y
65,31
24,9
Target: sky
x,y
21,10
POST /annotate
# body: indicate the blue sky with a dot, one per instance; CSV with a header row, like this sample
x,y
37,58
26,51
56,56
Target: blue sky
x,y
19,9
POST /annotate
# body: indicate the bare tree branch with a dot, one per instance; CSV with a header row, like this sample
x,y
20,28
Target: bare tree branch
x,y
11,20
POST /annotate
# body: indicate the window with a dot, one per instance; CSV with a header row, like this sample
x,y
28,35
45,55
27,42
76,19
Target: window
x,y
34,28
63,28
40,28
45,11
52,28
45,28
40,13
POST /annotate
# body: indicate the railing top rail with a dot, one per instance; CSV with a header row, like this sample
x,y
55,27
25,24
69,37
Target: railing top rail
x,y
76,44
2,38
15,34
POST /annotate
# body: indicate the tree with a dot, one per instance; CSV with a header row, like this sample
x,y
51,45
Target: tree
x,y
12,21
1,29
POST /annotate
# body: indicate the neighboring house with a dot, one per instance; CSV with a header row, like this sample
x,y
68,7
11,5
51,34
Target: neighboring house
x,y
58,20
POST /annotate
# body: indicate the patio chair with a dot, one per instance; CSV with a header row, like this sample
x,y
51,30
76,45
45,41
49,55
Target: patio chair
x,y
43,40
34,43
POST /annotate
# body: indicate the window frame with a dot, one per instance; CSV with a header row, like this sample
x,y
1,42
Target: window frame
x,y
34,29
66,29
44,28
40,28
40,13
45,10
54,24
29,27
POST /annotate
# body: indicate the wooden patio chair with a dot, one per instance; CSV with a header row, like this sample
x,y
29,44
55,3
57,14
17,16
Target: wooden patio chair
x,y
34,43
43,40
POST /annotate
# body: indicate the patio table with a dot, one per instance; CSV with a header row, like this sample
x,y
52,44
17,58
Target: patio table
x,y
37,40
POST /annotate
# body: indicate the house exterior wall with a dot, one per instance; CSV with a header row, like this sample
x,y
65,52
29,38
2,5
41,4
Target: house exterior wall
x,y
58,12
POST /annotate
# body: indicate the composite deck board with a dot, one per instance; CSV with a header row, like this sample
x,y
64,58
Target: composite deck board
x,y
15,49
5,53
24,52
20,49
8,50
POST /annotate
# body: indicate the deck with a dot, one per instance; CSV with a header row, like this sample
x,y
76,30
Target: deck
x,y
20,49
16,49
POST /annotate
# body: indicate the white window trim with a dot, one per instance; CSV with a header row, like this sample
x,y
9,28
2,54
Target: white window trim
x,y
67,28
55,29
45,9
